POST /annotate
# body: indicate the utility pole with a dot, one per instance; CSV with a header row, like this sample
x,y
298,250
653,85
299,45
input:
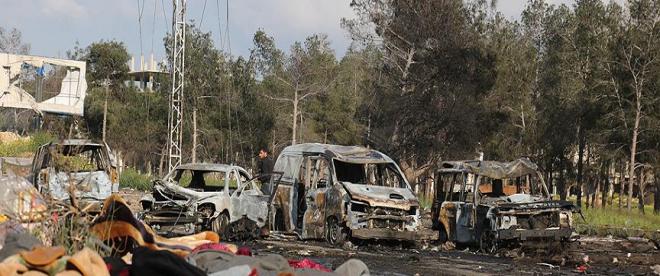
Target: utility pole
x,y
175,114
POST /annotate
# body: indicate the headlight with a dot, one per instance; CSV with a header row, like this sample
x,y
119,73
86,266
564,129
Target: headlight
x,y
565,219
505,222
359,207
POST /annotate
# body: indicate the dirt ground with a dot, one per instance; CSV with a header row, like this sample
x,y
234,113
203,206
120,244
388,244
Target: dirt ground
x,y
605,256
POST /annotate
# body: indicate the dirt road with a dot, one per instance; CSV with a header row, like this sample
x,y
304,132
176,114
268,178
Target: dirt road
x,y
605,256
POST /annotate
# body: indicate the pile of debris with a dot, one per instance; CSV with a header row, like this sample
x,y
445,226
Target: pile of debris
x,y
129,247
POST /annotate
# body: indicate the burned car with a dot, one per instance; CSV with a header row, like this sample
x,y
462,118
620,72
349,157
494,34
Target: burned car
x,y
494,204
201,196
337,192
78,167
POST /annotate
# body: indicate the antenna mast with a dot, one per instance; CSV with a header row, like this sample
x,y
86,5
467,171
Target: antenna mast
x,y
175,114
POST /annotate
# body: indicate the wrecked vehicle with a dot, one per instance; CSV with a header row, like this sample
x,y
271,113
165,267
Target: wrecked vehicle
x,y
75,167
20,200
201,196
509,205
337,192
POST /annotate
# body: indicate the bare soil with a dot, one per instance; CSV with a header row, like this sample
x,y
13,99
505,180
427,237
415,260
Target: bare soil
x,y
600,256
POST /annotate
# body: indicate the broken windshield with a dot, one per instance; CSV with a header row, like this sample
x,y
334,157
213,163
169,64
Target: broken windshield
x,y
526,184
207,181
378,174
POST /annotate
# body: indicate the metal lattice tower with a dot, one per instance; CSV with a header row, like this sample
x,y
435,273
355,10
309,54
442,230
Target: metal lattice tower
x,y
175,115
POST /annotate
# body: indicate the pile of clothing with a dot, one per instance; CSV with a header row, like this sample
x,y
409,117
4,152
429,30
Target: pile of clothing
x,y
137,250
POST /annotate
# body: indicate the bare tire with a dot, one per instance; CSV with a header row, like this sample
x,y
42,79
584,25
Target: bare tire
x,y
442,234
336,234
487,243
220,224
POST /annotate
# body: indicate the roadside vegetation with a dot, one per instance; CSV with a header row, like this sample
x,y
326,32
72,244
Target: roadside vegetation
x,y
24,147
132,178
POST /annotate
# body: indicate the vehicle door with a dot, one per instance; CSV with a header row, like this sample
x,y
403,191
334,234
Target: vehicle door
x,y
38,178
448,189
318,174
465,212
247,200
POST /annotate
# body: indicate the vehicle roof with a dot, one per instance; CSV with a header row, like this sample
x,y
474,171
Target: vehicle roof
x,y
354,154
492,169
208,167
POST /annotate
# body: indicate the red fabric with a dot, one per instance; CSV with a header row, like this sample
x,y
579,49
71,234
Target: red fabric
x,y
307,263
212,246
244,250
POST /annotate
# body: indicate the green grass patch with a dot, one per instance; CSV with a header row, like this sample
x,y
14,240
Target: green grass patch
x,y
617,222
131,178
25,147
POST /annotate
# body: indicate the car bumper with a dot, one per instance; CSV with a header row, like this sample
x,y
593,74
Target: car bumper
x,y
525,234
388,234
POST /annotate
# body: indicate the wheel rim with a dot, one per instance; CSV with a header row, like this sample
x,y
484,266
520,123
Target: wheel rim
x,y
333,231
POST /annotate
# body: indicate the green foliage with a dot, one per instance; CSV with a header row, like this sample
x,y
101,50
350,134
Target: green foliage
x,y
107,61
131,178
25,147
616,222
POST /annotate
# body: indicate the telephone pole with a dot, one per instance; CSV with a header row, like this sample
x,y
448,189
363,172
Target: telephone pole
x,y
175,114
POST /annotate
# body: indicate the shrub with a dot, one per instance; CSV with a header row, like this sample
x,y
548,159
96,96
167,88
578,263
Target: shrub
x,y
131,178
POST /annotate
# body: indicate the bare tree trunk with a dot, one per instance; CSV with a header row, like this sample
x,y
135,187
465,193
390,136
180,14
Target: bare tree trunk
x,y
105,111
656,194
295,117
580,165
633,148
640,193
561,182
622,186
610,192
194,140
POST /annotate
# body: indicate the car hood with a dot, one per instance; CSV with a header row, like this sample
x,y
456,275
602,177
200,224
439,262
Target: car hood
x,y
378,196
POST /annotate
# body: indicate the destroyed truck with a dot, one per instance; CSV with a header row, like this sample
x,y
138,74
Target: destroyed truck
x,y
497,204
202,196
77,167
338,192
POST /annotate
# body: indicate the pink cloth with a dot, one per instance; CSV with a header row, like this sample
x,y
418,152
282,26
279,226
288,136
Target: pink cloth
x,y
307,263
244,250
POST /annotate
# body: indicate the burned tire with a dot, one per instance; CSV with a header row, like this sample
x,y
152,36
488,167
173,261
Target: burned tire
x,y
487,243
336,234
220,224
442,234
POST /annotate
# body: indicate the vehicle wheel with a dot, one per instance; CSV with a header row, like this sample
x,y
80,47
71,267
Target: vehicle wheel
x,y
219,225
487,243
442,235
336,234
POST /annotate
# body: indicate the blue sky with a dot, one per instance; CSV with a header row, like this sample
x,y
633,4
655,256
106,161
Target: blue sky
x,y
53,26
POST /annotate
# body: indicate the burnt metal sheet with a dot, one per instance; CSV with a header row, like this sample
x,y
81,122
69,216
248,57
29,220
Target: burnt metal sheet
x,y
20,200
388,234
492,169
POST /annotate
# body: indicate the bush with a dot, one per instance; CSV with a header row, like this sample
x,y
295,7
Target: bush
x,y
25,147
131,178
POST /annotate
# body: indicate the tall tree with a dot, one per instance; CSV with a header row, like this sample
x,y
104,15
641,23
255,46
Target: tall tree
x,y
307,71
435,72
11,41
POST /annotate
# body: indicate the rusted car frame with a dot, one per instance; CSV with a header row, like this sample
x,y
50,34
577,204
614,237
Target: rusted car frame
x,y
78,167
509,205
217,197
336,192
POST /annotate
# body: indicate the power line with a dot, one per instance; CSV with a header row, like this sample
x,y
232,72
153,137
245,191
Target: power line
x,y
201,21
227,30
153,26
220,40
140,12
